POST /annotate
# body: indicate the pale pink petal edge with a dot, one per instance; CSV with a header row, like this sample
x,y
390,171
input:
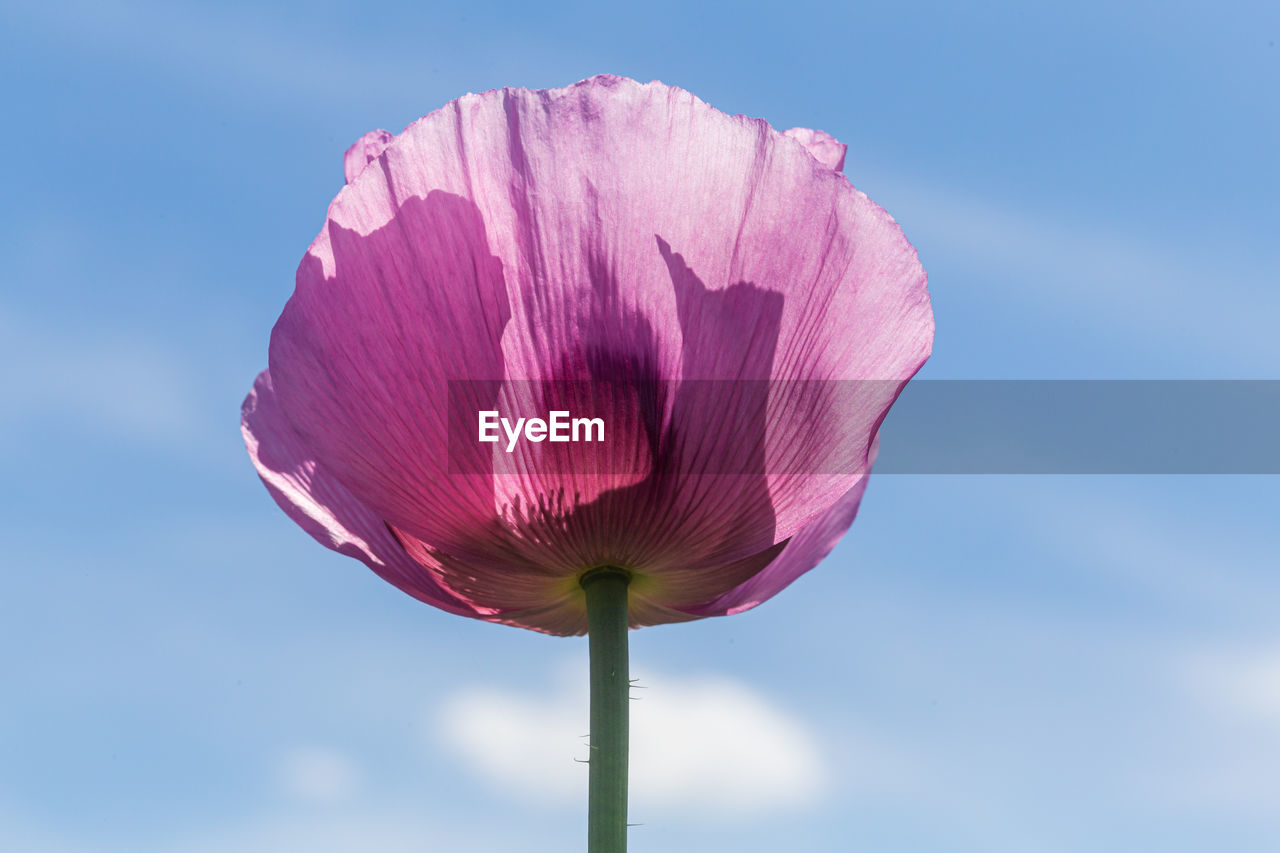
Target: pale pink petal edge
x,y
327,510
824,147
364,151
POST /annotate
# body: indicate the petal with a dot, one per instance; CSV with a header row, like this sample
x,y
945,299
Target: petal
x,y
606,230
828,150
364,352
321,506
364,151
804,551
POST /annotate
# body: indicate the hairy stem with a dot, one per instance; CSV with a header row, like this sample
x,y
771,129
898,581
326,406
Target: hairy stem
x,y
606,590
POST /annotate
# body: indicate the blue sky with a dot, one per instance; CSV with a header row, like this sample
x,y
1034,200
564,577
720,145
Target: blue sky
x,y
984,664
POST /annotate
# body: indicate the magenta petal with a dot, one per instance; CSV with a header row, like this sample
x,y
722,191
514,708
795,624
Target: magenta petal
x,y
364,151
609,200
828,150
804,551
605,231
363,355
324,508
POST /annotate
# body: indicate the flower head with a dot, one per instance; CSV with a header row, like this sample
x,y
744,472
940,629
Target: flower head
x,y
717,292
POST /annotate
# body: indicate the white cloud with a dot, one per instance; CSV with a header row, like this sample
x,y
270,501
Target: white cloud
x,y
105,381
317,773
1244,684
718,742
705,744
1224,757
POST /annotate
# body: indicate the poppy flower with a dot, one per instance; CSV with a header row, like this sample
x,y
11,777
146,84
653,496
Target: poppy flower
x,y
742,316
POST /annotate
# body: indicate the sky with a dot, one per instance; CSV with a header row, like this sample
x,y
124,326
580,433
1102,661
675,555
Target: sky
x,y
995,664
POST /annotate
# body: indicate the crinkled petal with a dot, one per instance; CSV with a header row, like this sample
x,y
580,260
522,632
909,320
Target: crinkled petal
x,y
609,229
365,352
364,151
324,508
828,150
803,552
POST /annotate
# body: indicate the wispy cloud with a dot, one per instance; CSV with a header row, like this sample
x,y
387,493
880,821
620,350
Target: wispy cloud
x,y
223,49
256,57
1199,300
1242,683
1228,758
17,832
357,829
315,828
105,381
1136,539
319,774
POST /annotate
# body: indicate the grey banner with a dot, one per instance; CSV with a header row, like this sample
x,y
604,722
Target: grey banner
x,y
1083,427
935,427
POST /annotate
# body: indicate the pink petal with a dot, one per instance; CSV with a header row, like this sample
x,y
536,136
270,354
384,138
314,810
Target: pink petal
x,y
364,151
803,551
828,150
606,231
364,351
323,507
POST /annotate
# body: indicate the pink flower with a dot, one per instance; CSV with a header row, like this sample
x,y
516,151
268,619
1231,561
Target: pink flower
x,y
724,275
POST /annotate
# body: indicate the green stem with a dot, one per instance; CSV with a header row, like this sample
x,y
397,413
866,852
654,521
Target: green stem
x,y
606,590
